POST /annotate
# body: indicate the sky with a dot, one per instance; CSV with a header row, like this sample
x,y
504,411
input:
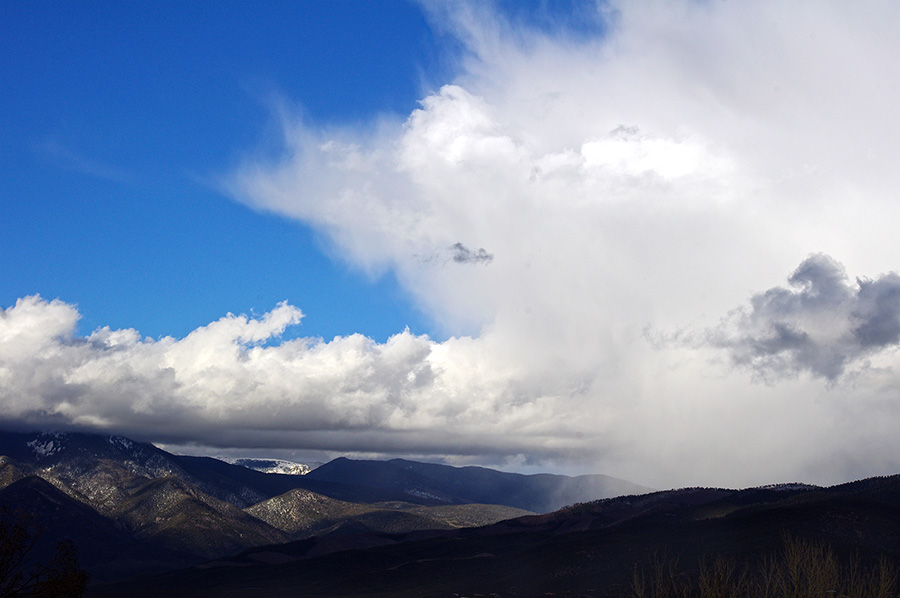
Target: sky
x,y
654,240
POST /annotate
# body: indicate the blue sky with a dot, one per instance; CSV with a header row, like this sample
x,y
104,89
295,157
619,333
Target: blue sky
x,y
655,240
120,117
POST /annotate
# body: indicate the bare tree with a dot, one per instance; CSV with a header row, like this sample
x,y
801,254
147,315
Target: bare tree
x,y
21,577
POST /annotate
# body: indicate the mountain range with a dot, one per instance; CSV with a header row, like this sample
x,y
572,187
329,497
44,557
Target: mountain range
x,y
146,522
132,508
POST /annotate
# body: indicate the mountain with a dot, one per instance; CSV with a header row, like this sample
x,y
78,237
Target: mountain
x,y
155,510
442,484
171,513
103,470
591,549
140,491
55,516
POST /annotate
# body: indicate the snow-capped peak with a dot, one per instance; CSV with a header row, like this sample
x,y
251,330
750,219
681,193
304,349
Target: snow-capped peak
x,y
271,465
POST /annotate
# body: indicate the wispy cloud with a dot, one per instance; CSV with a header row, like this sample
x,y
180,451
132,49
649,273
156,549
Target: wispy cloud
x,y
64,157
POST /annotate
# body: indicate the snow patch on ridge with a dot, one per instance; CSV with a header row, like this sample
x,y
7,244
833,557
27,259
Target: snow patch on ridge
x,y
47,444
423,494
121,442
271,465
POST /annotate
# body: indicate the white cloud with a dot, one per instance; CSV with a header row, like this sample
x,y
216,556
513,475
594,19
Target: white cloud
x,y
228,383
653,179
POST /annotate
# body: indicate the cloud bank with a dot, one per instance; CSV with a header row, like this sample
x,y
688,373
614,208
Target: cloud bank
x,y
231,383
650,178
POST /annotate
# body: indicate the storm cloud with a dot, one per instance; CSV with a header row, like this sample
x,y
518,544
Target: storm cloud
x,y
823,324
652,177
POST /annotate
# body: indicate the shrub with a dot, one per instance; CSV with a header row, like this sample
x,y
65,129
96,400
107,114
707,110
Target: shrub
x,y
803,569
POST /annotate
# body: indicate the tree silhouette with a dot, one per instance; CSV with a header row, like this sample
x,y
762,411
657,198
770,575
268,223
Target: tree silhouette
x,y
21,577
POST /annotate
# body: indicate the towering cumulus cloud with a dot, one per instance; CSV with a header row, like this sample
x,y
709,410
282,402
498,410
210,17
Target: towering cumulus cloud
x,y
565,198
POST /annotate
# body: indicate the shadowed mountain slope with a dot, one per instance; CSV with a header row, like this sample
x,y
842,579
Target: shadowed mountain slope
x,y
220,476
171,513
587,549
444,484
54,516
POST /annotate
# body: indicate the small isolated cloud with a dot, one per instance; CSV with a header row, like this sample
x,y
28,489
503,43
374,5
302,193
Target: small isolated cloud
x,y
464,255
823,324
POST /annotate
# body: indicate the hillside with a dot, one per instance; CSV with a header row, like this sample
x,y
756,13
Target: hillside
x,y
443,484
587,549
301,514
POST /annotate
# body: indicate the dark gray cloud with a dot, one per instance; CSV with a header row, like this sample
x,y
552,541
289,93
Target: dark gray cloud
x,y
822,324
464,255
877,313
